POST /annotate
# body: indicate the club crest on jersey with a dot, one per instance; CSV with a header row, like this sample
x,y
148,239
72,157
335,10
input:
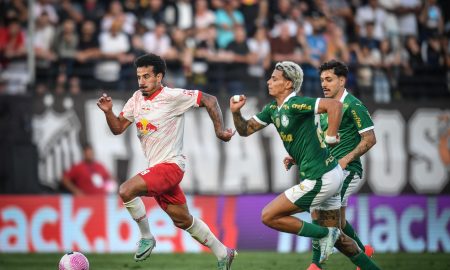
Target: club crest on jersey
x,y
284,120
144,127
277,122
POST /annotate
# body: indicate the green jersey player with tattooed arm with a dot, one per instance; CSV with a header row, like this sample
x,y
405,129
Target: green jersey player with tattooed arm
x,y
293,117
357,136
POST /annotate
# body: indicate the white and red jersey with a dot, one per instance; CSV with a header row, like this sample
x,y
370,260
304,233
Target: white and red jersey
x,y
159,120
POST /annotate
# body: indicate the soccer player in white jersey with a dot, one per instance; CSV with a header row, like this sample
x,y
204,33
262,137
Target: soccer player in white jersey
x,y
158,114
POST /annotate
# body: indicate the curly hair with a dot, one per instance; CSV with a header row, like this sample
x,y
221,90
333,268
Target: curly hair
x,y
339,68
152,60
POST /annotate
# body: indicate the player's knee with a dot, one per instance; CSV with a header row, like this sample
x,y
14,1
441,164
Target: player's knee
x,y
126,192
266,218
182,223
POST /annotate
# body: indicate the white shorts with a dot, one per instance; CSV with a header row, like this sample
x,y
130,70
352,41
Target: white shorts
x,y
322,193
352,181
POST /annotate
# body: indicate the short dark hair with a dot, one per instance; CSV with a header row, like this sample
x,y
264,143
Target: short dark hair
x,y
339,68
153,60
86,145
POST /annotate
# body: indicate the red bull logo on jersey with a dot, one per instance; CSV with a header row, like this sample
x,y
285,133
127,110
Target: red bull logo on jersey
x,y
144,127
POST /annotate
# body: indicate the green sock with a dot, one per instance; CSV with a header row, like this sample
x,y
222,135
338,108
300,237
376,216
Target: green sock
x,y
365,263
316,249
350,232
313,231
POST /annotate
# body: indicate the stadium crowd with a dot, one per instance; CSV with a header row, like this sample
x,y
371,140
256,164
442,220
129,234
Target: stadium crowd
x,y
394,49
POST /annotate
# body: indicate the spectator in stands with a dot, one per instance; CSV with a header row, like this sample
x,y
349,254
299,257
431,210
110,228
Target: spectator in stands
x,y
206,73
88,177
47,7
236,71
337,48
88,52
431,19
407,12
178,59
70,10
44,41
66,48
15,9
93,10
259,47
317,47
203,18
226,20
154,15
116,13
371,12
13,68
255,15
284,46
341,14
115,48
216,60
156,40
180,14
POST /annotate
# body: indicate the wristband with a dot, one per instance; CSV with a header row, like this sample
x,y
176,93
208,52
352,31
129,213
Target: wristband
x,y
330,139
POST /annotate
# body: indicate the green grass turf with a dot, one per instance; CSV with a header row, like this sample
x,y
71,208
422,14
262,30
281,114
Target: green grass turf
x,y
245,261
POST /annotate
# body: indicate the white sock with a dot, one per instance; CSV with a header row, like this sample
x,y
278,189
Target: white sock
x,y
201,232
136,208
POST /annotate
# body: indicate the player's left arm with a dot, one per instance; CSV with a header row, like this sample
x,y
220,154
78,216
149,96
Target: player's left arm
x,y
215,113
368,140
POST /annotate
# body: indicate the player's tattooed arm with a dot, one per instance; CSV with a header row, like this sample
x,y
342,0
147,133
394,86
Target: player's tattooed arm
x,y
245,127
368,140
215,113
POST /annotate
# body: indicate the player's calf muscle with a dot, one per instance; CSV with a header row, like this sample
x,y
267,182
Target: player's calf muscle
x,y
329,218
347,246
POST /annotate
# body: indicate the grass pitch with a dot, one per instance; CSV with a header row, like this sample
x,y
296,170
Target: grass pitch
x,y
244,261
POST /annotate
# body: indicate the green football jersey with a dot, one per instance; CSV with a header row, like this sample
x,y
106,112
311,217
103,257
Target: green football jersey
x,y
295,124
355,120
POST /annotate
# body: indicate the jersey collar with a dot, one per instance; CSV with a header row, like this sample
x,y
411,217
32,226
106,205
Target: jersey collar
x,y
293,94
344,95
154,94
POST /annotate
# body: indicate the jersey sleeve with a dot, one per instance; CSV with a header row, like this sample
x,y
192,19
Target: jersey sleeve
x,y
129,108
361,117
263,117
184,99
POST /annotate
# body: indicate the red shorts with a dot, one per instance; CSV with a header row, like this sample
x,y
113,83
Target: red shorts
x,y
163,183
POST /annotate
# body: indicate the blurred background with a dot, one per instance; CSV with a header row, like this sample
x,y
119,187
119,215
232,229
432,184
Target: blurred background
x,y
58,56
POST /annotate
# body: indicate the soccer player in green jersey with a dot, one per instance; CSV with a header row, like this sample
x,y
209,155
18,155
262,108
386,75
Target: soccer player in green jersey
x,y
293,117
357,136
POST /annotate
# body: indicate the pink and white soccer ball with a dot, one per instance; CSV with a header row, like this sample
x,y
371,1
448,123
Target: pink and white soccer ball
x,y
74,261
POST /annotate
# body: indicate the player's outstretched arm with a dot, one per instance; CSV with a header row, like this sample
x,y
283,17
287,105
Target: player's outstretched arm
x,y
117,125
368,140
213,108
243,127
334,110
